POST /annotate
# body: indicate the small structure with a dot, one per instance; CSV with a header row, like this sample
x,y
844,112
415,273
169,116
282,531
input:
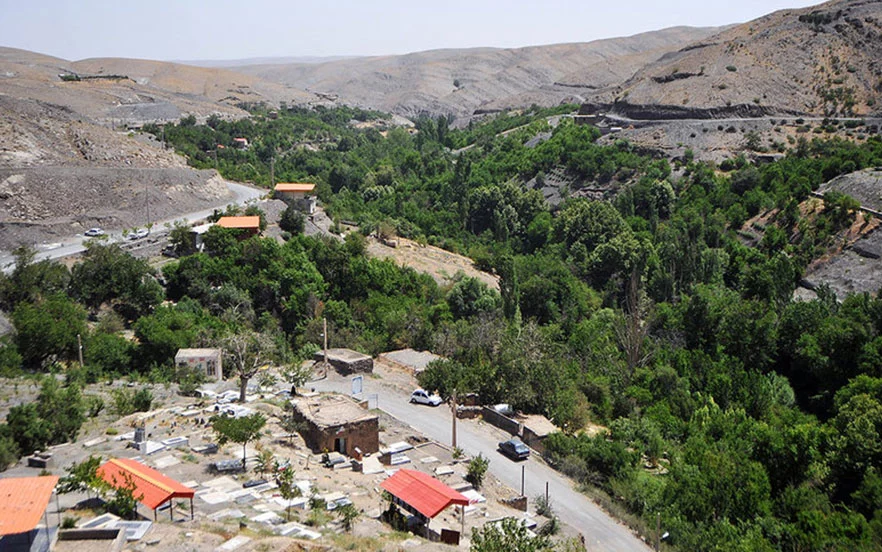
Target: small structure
x,y
153,488
422,495
298,195
209,362
336,423
241,143
409,359
347,361
250,225
23,501
196,234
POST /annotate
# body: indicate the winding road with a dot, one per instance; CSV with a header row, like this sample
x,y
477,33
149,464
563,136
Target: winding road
x,y
75,244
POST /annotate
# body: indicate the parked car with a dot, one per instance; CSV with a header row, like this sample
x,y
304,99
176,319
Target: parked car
x,y
139,234
93,232
421,396
515,449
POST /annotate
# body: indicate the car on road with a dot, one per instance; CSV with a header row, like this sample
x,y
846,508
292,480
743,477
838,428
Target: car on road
x,y
93,232
515,449
139,234
421,396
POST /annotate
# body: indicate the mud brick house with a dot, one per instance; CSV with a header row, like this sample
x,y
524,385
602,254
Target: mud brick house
x,y
335,423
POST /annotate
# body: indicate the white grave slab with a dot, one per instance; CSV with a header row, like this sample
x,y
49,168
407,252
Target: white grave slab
x,y
96,441
166,462
233,544
429,460
400,446
443,470
216,497
269,518
226,513
371,465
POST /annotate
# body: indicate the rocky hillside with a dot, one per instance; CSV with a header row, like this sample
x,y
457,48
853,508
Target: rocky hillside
x,y
461,82
118,91
822,61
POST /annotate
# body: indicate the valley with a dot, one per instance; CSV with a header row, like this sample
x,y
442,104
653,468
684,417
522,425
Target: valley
x,y
653,259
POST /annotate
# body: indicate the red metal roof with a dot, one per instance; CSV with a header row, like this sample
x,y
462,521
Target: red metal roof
x,y
23,501
295,187
239,222
422,491
154,488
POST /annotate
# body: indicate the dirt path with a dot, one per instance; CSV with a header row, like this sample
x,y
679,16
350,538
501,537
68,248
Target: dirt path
x,y
440,264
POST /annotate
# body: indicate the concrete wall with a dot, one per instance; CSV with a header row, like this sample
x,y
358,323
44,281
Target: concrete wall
x,y
502,422
533,440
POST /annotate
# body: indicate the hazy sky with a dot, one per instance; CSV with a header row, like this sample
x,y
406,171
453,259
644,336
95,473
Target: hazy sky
x,y
226,29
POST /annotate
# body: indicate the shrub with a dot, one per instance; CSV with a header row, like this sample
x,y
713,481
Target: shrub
x,y
731,68
477,470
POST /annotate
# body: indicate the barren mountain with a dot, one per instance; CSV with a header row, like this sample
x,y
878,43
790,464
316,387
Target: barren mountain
x,y
115,90
462,81
64,163
824,61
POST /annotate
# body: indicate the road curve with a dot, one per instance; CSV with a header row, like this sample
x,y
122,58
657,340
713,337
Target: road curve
x,y
75,244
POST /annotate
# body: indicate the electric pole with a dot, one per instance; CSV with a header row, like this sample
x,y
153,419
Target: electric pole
x,y
80,349
453,411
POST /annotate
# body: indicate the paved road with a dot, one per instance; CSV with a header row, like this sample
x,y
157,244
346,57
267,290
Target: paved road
x,y
601,531
74,244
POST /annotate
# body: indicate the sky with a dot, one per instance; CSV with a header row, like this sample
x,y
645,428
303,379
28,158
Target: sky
x,y
227,29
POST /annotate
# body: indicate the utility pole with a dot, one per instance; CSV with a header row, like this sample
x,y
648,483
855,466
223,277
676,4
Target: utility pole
x,y
546,492
80,349
657,532
453,411
522,480
273,172
325,335
147,202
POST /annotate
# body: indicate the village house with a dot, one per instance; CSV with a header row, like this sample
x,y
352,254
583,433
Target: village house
x,y
207,361
250,226
335,423
347,361
298,195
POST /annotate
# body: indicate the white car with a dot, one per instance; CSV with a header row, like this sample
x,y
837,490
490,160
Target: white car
x,y
93,232
139,234
421,396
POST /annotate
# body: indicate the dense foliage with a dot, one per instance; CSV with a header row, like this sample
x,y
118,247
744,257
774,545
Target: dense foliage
x,y
747,420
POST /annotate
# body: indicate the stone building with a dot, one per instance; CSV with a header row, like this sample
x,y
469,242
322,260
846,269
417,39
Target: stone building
x,y
335,423
347,361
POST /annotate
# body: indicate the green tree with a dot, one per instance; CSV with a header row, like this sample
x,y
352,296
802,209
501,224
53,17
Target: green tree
x,y
287,488
476,470
82,477
292,220
347,513
47,332
509,535
238,430
246,353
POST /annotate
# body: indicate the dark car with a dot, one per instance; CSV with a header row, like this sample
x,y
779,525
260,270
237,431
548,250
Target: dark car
x,y
515,449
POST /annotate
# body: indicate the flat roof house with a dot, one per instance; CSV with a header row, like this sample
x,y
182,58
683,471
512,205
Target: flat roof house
x,y
207,361
347,361
335,423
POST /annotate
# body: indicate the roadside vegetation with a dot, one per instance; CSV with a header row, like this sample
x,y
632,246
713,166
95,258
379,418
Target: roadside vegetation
x,y
744,419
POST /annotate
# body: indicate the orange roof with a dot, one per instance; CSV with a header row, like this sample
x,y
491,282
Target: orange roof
x,y
423,492
295,187
239,222
23,501
153,488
